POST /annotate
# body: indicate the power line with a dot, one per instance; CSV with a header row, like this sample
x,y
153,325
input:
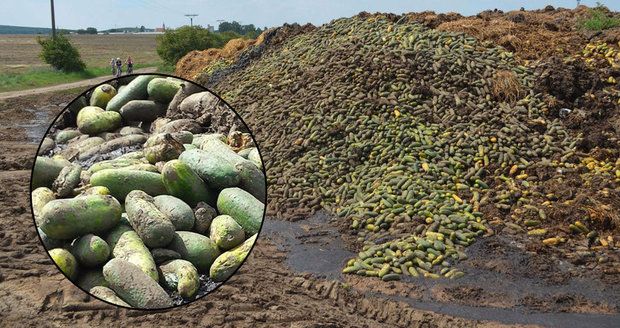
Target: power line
x,y
191,18
53,20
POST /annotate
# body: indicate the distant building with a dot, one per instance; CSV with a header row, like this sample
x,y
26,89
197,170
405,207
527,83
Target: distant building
x,y
210,28
161,29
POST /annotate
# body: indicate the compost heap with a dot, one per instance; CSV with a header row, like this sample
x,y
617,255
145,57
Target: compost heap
x,y
417,137
195,61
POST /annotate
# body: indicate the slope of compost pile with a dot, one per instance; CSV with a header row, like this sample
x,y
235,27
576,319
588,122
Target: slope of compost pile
x,y
194,62
215,64
401,130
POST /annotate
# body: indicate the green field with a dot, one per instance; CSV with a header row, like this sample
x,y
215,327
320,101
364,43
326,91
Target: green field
x,y
21,67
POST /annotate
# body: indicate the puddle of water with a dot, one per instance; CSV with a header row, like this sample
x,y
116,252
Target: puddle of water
x,y
315,246
35,128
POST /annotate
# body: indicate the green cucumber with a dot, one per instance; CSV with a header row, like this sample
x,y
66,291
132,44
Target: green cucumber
x,y
90,250
122,181
142,111
74,217
65,261
226,233
163,90
180,276
136,89
93,120
102,95
215,170
127,245
196,248
178,212
182,182
133,286
227,263
46,170
153,226
243,207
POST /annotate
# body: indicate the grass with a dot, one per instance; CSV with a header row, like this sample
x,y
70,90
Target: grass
x,y
165,68
600,20
44,76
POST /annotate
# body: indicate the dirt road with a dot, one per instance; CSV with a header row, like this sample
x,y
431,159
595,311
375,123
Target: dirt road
x,y
54,88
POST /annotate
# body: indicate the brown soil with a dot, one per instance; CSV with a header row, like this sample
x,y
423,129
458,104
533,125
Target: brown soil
x,y
595,111
20,52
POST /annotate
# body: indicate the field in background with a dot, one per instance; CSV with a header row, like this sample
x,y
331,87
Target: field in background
x,y
19,53
21,67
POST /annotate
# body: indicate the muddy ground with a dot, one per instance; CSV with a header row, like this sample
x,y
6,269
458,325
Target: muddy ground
x,y
292,278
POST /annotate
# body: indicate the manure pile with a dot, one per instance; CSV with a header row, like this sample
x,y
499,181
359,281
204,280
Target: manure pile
x,y
416,137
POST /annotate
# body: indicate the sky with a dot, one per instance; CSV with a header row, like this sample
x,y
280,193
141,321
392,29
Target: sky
x,y
75,14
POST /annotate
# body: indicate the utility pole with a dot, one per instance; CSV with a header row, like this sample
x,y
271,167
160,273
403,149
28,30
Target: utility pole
x,y
191,18
53,21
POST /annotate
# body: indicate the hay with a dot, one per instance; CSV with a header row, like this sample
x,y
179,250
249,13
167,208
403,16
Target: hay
x,y
506,86
511,43
197,61
530,35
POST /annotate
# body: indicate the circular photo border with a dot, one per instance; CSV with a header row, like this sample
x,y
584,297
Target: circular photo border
x,y
60,115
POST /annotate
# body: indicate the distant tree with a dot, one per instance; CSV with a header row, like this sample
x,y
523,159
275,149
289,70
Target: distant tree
x,y
81,31
245,29
142,28
174,44
249,31
60,54
91,30
230,27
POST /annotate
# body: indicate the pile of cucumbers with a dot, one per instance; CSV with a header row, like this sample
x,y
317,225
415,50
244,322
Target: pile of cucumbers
x,y
174,209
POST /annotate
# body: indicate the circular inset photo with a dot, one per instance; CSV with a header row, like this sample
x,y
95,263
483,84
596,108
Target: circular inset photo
x,y
148,191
